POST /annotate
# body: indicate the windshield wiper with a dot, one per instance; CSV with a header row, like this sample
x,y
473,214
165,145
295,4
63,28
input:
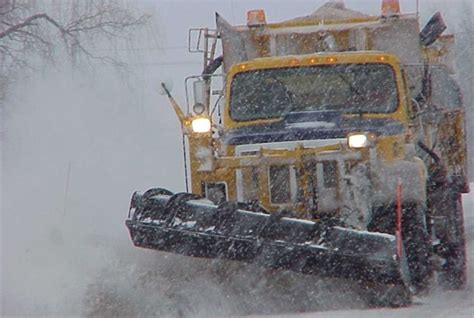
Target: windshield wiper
x,y
288,93
351,87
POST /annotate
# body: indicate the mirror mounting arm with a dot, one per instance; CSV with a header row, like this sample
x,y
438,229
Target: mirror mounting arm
x,y
174,103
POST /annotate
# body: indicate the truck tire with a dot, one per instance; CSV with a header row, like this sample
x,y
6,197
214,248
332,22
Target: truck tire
x,y
453,246
417,243
416,239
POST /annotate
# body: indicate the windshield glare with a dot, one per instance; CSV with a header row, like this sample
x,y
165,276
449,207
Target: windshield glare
x,y
348,88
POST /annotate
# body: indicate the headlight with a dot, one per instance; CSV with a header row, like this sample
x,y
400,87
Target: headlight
x,y
359,141
201,125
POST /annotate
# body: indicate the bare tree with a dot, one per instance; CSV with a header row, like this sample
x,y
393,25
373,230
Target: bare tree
x,y
71,26
50,30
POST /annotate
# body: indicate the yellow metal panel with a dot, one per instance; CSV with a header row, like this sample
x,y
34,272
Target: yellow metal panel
x,y
311,22
390,148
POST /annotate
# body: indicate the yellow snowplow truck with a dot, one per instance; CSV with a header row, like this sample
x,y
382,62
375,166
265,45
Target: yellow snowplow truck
x,y
331,144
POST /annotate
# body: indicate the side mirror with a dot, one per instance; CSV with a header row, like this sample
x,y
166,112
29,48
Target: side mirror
x,y
432,30
200,92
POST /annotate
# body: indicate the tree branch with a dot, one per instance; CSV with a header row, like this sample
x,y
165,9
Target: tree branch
x,y
28,22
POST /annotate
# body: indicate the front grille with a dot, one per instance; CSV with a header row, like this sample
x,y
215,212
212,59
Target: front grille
x,y
280,189
330,174
322,181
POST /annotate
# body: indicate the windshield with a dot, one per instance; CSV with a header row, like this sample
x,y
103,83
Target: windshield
x,y
349,88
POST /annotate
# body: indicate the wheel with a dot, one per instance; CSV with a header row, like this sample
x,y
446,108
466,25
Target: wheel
x,y
416,239
453,245
417,243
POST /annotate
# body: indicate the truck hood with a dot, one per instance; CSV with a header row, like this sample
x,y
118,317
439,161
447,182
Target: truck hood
x,y
310,126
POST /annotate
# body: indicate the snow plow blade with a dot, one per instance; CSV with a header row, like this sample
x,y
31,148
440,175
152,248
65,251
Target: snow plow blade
x,y
184,224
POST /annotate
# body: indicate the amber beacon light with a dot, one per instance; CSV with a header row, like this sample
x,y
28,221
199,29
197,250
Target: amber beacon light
x,y
390,8
256,18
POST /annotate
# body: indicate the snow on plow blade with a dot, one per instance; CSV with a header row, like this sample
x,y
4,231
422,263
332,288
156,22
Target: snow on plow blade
x,y
184,224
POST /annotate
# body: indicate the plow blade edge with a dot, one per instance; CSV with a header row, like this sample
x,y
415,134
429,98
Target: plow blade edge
x,y
184,224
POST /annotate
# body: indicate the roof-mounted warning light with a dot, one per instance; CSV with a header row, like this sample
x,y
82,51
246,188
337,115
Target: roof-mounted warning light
x,y
390,8
256,18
